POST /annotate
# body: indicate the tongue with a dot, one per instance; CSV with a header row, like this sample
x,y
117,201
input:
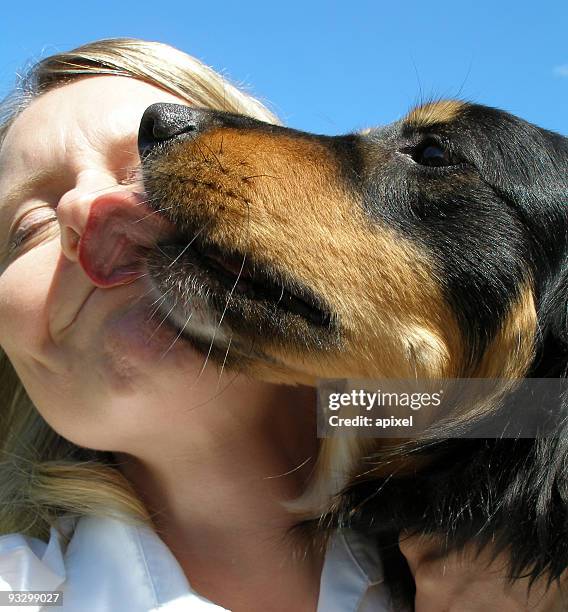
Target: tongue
x,y
119,229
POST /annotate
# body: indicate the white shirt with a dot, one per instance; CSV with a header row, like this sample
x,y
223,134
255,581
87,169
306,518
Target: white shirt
x,y
111,566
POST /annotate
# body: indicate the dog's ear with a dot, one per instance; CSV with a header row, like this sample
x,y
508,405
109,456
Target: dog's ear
x,y
528,167
533,179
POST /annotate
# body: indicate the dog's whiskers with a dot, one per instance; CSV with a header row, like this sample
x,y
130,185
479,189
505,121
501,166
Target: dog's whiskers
x,y
177,337
227,302
151,214
223,364
218,326
162,322
189,244
223,170
159,301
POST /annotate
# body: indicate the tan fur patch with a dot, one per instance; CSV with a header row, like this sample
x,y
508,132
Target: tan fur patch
x,y
278,198
512,350
505,362
433,113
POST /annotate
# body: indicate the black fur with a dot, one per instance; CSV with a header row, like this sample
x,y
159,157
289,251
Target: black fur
x,y
498,220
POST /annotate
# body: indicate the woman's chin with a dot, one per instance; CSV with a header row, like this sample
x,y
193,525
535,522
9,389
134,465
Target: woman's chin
x,y
136,343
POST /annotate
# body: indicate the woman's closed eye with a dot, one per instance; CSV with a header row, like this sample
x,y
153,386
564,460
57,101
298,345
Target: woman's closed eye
x,y
31,226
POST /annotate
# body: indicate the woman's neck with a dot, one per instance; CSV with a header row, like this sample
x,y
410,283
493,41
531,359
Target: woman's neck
x,y
215,496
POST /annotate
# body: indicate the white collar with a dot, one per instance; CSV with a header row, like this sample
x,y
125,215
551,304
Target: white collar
x,y
112,565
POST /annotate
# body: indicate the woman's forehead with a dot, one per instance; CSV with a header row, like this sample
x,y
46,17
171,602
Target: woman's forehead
x,y
90,99
82,117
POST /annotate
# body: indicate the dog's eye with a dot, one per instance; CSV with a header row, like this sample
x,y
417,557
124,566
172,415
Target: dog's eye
x,y
433,154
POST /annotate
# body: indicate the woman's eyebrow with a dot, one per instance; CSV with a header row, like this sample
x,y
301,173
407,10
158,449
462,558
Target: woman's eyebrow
x,y
25,189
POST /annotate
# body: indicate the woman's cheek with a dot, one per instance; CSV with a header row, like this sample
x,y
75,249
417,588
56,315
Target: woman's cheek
x,y
24,285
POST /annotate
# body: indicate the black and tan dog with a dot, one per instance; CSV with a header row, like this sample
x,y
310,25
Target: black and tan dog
x,y
435,247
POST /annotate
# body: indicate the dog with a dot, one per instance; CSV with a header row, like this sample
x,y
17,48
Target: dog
x,y
432,248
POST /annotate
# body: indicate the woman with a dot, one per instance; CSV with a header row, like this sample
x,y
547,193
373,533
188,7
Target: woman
x,y
113,427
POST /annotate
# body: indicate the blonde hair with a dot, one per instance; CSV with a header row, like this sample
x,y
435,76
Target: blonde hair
x,y
42,475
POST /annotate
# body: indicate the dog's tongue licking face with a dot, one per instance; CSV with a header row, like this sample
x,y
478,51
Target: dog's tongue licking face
x,y
118,230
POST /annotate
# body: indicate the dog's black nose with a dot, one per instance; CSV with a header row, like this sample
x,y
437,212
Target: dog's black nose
x,y
162,122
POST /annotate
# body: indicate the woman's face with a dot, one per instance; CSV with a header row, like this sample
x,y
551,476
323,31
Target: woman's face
x,y
101,371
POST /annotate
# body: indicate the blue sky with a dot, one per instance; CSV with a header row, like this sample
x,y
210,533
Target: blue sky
x,y
332,67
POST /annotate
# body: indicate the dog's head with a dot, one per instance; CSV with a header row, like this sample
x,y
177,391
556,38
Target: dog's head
x,y
433,247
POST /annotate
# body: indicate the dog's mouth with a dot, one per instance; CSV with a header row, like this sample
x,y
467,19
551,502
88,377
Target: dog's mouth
x,y
241,277
238,290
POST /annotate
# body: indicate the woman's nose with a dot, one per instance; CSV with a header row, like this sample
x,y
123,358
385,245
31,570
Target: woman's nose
x,y
73,210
